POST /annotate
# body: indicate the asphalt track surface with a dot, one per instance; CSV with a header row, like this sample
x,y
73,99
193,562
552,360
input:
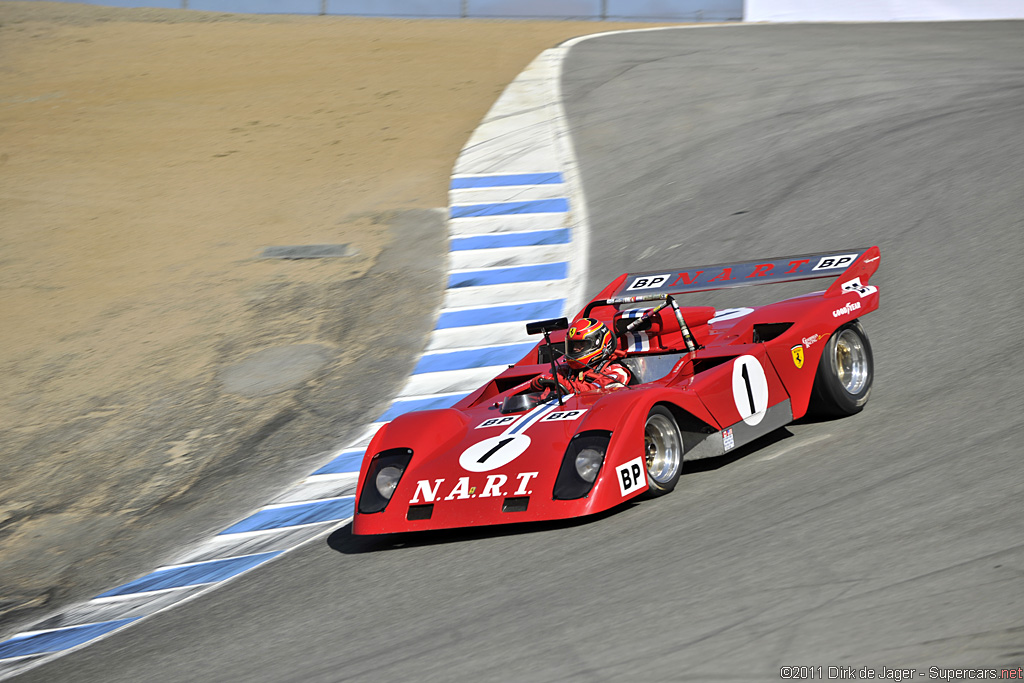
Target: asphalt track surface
x,y
892,538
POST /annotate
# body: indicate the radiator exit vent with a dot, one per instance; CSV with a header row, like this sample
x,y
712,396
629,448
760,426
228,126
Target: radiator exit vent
x,y
515,504
417,512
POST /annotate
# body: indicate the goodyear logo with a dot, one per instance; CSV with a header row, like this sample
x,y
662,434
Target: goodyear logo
x,y
846,310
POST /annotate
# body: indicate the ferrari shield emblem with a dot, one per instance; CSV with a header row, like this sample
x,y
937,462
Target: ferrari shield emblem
x,y
798,355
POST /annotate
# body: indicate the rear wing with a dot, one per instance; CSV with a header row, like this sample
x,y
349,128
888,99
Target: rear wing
x,y
851,263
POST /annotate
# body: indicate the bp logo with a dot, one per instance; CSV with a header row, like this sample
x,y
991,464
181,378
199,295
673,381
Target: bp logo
x,y
798,355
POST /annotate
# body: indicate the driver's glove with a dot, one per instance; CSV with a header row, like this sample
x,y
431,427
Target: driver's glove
x,y
539,382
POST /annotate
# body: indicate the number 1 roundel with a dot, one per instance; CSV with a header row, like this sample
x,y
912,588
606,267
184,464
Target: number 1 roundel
x,y
749,389
492,453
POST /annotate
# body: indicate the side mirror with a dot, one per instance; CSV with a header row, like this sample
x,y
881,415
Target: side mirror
x,y
542,326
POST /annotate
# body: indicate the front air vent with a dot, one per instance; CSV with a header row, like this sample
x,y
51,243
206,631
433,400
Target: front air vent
x,y
420,512
765,332
702,364
503,384
515,504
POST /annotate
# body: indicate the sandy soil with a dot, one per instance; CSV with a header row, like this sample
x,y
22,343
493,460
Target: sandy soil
x,y
146,159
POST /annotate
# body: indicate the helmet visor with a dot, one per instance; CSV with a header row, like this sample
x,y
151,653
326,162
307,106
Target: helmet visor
x,y
580,347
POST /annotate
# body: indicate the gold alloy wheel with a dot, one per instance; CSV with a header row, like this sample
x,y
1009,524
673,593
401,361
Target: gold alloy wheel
x,y
851,362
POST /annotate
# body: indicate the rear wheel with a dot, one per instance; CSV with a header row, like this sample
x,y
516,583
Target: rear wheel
x,y
842,384
663,451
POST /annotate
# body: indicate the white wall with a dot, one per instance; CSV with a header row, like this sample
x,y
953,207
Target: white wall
x,y
881,10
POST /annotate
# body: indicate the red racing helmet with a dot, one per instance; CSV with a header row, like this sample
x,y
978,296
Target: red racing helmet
x,y
588,343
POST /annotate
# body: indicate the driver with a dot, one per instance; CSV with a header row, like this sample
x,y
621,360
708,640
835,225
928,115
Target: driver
x,y
590,361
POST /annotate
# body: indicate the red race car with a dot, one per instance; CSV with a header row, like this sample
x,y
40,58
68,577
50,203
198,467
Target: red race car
x,y
700,383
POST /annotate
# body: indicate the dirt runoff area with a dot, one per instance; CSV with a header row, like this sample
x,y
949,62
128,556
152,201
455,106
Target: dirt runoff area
x,y
159,378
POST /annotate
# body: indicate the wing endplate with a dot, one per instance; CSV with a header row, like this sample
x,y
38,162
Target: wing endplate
x,y
855,278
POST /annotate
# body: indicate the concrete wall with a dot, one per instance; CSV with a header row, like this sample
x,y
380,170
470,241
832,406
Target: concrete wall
x,y
881,10
643,10
162,4
395,8
705,10
258,6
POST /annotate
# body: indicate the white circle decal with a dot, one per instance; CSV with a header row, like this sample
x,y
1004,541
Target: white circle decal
x,y
749,389
492,453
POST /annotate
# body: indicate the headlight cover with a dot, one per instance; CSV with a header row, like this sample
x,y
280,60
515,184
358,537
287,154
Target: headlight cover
x,y
387,480
588,462
581,464
382,477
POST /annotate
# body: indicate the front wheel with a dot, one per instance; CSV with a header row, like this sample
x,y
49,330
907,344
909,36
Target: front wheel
x,y
842,384
663,451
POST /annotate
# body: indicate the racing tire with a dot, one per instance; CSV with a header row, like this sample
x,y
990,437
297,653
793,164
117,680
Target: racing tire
x,y
663,451
842,383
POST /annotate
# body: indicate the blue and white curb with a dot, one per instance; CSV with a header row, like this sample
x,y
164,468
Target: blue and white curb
x,y
518,248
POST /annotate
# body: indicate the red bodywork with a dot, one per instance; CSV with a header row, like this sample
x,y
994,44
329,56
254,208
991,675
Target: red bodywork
x,y
471,465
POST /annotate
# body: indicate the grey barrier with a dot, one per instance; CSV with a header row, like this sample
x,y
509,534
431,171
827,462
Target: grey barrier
x,y
596,10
